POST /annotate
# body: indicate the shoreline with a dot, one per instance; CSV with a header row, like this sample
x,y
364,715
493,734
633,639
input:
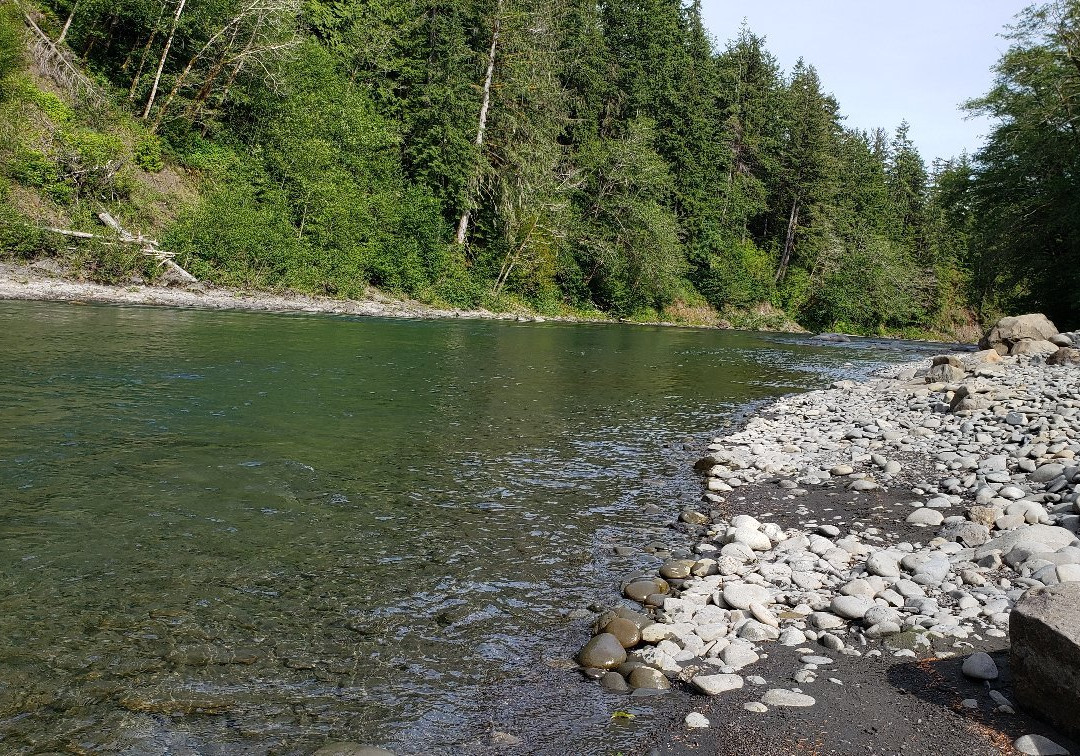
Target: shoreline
x,y
847,559
47,282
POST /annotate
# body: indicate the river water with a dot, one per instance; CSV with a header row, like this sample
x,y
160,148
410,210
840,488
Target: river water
x,y
236,533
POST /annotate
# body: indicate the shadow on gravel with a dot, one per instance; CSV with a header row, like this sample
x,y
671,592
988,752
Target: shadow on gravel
x,y
940,683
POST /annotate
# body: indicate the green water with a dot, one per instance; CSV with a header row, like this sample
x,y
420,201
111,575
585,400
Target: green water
x,y
232,533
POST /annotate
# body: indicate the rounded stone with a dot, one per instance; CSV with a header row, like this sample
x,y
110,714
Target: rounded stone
x,y
696,721
742,595
647,677
755,706
714,685
1037,745
625,630
637,618
782,697
925,516
614,682
351,749
882,564
763,615
639,590
755,539
851,607
677,569
604,651
980,666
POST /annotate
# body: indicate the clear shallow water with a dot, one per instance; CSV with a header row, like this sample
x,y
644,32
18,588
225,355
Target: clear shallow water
x,y
234,533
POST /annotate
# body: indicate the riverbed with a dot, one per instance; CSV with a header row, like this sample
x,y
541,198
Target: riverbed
x,y
234,533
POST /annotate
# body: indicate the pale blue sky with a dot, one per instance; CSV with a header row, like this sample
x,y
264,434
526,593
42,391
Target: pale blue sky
x,y
886,61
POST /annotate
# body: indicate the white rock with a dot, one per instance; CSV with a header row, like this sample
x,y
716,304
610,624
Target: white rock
x,y
696,721
851,607
1037,745
742,595
925,516
714,685
763,615
883,564
782,697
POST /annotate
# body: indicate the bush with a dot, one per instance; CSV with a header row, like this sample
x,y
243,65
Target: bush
x,y
233,236
147,154
739,276
19,238
90,162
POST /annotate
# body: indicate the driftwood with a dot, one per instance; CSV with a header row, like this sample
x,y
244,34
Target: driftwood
x,y
150,247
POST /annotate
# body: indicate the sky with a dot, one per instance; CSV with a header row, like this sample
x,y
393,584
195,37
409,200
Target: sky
x,y
886,62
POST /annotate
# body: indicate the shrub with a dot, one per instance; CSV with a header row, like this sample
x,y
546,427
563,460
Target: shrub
x,y
147,154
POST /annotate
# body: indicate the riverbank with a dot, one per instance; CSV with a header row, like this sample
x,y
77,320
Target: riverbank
x,y
856,546
47,280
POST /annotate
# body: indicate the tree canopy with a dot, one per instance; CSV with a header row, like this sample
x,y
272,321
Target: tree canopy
x,y
581,155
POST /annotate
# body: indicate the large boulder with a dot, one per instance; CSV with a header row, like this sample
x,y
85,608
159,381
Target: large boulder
x,y
1064,356
946,373
1047,537
1045,630
1007,331
1033,348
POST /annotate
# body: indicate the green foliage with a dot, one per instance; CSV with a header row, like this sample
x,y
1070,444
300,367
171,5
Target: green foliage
x,y
19,238
147,153
89,165
628,246
114,264
740,276
239,237
625,163
1025,184
55,109
11,46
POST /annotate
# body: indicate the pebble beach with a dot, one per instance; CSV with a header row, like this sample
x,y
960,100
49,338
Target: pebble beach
x,y
876,525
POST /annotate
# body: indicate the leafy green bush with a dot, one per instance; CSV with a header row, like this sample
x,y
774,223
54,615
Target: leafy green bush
x,y
19,238
56,109
32,167
738,276
147,153
237,237
107,263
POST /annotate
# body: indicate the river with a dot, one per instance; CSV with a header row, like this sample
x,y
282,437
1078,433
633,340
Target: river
x,y
237,533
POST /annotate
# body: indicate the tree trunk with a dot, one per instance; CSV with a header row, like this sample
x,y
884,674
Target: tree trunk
x,y
145,53
67,25
789,241
109,35
485,105
182,78
161,62
208,86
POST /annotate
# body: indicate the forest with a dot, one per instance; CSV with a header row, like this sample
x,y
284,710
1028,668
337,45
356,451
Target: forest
x,y
564,156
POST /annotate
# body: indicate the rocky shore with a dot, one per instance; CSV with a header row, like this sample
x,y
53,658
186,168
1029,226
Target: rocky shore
x,y
48,280
899,521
